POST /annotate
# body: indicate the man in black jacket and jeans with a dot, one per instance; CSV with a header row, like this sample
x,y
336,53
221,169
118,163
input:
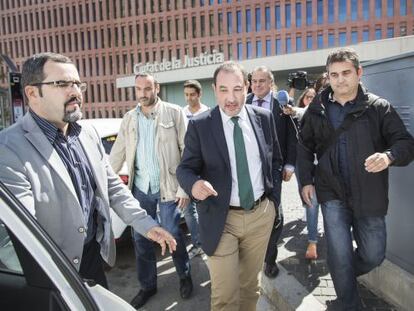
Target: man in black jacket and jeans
x,y
351,177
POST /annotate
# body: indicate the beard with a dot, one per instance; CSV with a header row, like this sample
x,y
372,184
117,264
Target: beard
x,y
74,115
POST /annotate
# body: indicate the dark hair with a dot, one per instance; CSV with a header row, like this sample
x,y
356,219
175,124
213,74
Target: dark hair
x,y
231,66
145,75
32,70
343,55
302,97
321,83
193,84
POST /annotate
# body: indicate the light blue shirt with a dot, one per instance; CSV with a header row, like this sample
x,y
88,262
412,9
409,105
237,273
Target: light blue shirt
x,y
147,169
266,101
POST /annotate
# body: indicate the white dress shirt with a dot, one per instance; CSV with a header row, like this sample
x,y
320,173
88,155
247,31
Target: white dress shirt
x,y
252,153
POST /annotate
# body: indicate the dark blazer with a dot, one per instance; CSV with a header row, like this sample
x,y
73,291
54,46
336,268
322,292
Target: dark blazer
x,y
286,130
206,157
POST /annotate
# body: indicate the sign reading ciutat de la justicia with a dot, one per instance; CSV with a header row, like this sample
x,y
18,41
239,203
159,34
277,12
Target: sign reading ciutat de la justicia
x,y
202,60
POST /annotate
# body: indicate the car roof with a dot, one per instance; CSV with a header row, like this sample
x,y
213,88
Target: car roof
x,y
104,127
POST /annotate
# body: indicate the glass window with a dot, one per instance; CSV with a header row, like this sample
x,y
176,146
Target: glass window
x,y
287,15
403,7
239,50
378,8
258,48
298,44
378,34
342,38
320,41
390,32
354,37
390,8
9,261
365,35
331,40
354,10
308,12
248,20
267,18
342,10
277,17
229,23
320,11
288,45
239,22
220,23
248,49
298,14
331,13
278,43
268,47
365,9
309,42
258,19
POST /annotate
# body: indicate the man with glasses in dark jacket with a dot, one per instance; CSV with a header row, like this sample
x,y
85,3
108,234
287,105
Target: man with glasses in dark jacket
x,y
356,136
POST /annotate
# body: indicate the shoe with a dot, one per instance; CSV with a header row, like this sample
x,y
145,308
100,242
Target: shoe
x,y
142,297
271,270
194,251
311,252
186,287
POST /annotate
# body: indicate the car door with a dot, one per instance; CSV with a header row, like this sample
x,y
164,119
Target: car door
x,y
34,272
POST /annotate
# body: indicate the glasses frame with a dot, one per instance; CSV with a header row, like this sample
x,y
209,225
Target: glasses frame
x,y
63,84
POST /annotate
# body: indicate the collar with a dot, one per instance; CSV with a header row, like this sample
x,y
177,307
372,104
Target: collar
x,y
332,100
153,112
267,98
51,131
242,115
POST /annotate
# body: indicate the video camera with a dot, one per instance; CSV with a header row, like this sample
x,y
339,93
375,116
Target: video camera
x,y
299,80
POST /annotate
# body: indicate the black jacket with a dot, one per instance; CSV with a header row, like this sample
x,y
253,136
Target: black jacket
x,y
285,128
376,128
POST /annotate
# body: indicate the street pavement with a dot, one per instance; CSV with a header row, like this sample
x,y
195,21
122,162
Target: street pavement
x,y
312,277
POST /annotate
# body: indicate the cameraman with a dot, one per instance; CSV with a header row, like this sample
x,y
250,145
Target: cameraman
x,y
262,95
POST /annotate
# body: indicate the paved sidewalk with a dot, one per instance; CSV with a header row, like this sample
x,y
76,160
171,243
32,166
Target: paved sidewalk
x,y
313,276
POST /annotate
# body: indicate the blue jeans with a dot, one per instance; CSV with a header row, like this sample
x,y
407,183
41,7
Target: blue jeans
x,y
312,214
191,219
144,248
345,263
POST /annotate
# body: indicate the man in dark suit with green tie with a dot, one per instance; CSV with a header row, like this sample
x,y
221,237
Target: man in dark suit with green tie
x,y
237,198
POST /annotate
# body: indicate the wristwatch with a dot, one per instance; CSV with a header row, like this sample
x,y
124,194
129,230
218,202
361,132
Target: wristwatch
x,y
390,156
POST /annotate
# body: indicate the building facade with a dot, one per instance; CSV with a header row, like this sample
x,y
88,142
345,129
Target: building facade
x,y
108,38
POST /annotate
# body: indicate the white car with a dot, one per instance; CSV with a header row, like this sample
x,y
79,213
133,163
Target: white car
x,y
108,131
34,272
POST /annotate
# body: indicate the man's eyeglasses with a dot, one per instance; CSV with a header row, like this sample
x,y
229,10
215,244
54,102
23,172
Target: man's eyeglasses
x,y
62,84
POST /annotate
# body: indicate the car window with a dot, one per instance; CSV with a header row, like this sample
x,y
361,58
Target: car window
x,y
9,262
108,142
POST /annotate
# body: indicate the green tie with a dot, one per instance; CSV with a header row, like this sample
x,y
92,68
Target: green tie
x,y
243,175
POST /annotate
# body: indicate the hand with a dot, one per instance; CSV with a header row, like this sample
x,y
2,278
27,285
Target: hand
x,y
182,202
163,238
287,174
308,193
377,162
289,110
202,189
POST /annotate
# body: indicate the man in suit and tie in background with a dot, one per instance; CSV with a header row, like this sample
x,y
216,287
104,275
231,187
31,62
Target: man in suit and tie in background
x,y
60,172
237,198
262,95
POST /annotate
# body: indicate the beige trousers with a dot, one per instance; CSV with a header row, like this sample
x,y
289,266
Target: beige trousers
x,y
238,259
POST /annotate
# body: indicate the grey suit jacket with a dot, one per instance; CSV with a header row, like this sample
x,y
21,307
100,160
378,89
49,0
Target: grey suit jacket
x,y
32,169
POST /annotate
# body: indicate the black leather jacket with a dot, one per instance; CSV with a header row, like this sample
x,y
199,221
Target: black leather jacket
x,y
376,127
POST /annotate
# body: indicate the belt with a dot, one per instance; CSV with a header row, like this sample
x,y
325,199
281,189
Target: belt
x,y
255,204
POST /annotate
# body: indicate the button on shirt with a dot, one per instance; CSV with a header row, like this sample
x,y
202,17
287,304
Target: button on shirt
x,y
147,169
77,164
336,114
252,153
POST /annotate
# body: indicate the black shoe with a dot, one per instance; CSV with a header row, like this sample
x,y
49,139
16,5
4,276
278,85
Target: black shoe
x,y
271,270
142,297
186,287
